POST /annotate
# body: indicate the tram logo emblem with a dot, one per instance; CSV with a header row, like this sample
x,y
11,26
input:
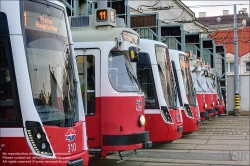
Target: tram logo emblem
x,y
197,113
70,135
177,117
139,104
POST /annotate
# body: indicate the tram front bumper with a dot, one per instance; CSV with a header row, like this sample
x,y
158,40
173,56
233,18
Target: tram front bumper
x,y
129,139
211,112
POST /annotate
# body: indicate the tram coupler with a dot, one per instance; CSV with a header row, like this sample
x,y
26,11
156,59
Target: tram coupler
x,y
129,156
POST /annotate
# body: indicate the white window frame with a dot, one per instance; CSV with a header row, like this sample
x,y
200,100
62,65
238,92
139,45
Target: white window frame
x,y
246,67
228,67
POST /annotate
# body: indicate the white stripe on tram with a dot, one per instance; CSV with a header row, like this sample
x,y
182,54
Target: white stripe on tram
x,y
11,132
152,111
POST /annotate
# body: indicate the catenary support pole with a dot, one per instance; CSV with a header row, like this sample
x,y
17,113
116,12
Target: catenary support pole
x,y
76,7
237,111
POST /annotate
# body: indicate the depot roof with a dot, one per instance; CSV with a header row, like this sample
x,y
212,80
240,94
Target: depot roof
x,y
226,37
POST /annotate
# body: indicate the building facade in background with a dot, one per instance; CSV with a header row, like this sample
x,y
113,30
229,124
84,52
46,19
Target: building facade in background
x,y
222,28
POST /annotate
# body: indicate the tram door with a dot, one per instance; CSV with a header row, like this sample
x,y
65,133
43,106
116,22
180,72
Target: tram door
x,y
88,64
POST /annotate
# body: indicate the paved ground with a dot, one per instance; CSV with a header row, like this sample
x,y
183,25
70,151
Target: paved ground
x,y
220,141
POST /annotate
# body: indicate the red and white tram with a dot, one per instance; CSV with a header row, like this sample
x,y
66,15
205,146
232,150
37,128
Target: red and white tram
x,y
218,99
106,54
220,102
186,92
155,75
42,120
212,86
197,71
211,94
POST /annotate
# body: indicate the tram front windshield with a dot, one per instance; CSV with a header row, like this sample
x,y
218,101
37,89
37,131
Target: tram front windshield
x,y
50,63
165,73
121,75
213,83
187,79
218,88
203,82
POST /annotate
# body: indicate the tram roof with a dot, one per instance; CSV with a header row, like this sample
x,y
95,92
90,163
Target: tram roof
x,y
92,34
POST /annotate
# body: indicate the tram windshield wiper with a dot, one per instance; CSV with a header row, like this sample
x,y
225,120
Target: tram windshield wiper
x,y
133,79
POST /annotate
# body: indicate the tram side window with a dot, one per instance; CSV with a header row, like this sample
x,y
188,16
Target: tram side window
x,y
86,71
7,106
144,76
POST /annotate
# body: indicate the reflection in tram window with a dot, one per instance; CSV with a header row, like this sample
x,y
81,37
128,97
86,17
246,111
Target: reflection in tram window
x,y
86,71
187,78
50,64
165,73
121,75
219,91
144,75
7,106
212,83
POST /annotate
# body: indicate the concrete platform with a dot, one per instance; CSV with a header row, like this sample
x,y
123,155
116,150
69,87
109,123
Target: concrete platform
x,y
220,141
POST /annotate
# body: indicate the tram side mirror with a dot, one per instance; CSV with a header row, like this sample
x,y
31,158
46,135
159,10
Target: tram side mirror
x,y
133,54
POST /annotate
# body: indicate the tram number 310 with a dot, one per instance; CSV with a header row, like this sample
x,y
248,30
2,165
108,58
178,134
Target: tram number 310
x,y
71,147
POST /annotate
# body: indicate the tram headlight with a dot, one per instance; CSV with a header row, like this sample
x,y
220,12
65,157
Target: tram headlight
x,y
166,114
205,105
218,102
142,120
188,110
43,146
38,136
212,104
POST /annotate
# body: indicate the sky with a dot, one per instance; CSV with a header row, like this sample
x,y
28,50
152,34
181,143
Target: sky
x,y
216,11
